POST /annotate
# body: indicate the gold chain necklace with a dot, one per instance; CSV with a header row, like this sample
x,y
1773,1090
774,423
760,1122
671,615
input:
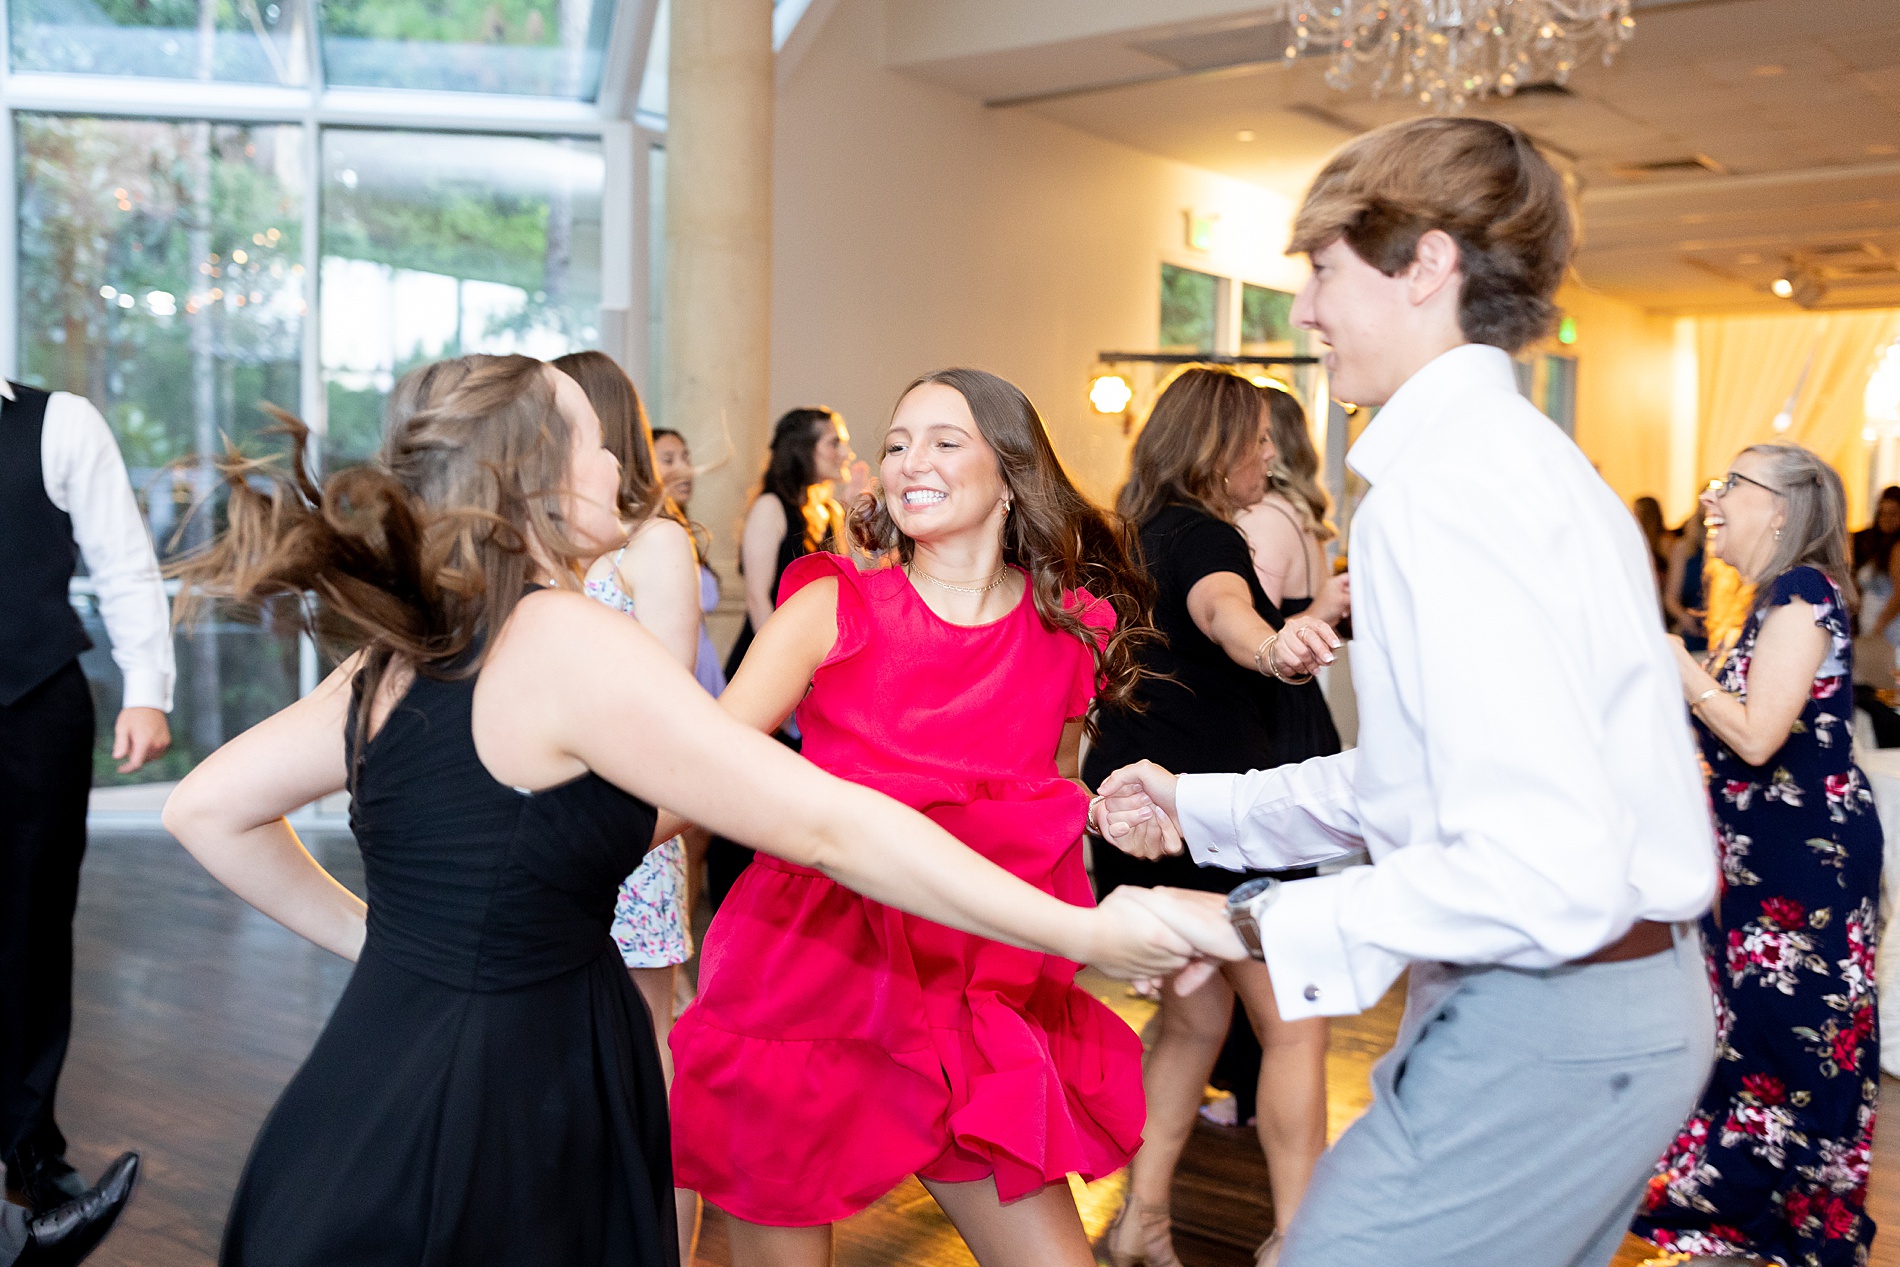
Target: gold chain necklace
x,y
1001,576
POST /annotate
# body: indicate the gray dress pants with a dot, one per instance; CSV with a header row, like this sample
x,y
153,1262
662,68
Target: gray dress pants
x,y
1517,1119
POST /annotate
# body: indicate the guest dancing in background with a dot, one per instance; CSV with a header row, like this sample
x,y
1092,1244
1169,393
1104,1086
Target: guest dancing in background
x,y
794,513
487,1090
1772,1165
838,1046
653,577
673,463
1211,702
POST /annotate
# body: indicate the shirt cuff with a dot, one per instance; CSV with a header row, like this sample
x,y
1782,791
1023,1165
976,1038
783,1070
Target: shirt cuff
x,y
1205,803
147,688
1306,952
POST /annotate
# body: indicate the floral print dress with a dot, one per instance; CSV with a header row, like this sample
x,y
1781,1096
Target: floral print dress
x,y
1773,1162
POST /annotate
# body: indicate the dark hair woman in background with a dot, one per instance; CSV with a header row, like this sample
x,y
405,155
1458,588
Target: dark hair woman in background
x,y
794,513
1214,705
1772,1165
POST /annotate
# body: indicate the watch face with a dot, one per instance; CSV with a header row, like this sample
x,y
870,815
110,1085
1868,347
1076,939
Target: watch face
x,y
1249,891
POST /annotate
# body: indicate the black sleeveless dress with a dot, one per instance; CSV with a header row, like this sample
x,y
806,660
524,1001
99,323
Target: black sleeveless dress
x,y
488,1090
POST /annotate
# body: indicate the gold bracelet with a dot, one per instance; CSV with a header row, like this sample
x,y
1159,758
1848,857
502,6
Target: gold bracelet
x,y
1265,648
1273,667
1703,698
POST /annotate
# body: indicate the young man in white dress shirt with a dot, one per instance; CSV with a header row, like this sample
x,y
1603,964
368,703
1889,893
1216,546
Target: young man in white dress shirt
x,y
1526,783
64,495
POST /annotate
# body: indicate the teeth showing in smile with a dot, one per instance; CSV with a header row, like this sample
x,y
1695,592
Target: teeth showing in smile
x,y
923,497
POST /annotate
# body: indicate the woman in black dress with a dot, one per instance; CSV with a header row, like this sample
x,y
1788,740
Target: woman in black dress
x,y
794,513
487,1090
1214,706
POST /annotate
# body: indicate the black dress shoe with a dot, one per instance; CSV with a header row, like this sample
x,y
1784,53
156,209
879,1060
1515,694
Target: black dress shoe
x,y
65,1235
46,1182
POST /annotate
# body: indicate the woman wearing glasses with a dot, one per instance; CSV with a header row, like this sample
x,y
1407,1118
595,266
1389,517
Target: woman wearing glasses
x,y
1772,1165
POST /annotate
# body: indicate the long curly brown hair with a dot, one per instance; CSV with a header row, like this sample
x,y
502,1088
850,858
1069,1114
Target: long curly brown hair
x,y
421,555
1061,539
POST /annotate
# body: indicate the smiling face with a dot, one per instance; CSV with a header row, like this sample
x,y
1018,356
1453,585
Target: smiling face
x,y
673,462
590,501
831,451
940,476
1742,521
1358,312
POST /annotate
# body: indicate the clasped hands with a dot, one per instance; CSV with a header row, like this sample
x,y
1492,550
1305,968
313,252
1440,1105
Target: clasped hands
x,y
1137,815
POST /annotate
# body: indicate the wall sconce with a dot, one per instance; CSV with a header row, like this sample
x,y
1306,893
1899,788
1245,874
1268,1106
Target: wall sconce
x,y
1110,394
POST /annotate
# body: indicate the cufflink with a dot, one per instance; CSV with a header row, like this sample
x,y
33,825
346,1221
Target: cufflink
x,y
1311,993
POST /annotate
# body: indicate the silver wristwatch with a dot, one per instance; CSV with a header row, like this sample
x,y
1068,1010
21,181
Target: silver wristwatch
x,y
1245,906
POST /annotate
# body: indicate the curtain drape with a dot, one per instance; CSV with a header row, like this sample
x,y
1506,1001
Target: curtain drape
x,y
1748,366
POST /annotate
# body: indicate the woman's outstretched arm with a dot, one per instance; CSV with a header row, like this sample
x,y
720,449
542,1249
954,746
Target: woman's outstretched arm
x,y
545,711
229,812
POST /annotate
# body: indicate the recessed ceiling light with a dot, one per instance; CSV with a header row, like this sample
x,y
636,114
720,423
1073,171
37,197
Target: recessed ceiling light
x,y
1782,287
1883,150
1245,134
1768,72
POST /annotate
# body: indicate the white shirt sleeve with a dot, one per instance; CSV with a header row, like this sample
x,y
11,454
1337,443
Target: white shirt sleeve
x,y
85,477
1269,820
1520,851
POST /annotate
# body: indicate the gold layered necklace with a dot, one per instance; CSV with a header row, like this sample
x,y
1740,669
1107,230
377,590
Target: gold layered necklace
x,y
1001,576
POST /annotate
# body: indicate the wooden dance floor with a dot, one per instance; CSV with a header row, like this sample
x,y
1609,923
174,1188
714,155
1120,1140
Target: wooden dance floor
x,y
193,1011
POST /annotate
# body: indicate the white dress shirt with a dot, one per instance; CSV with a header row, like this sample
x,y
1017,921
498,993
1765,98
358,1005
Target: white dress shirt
x,y
85,477
1526,780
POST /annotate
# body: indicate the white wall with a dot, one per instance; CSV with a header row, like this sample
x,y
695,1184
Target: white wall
x,y
915,229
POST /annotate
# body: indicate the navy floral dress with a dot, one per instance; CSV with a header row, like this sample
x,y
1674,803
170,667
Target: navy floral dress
x,y
1774,1160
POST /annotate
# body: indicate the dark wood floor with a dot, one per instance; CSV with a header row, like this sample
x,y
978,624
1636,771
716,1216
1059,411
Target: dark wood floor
x,y
193,1011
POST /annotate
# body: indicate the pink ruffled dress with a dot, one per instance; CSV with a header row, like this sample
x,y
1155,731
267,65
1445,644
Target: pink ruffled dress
x,y
839,1045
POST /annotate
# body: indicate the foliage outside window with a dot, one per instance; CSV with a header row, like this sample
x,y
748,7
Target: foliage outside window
x,y
1189,307
546,48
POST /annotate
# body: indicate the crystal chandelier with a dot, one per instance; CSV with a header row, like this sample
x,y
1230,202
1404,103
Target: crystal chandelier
x,y
1442,53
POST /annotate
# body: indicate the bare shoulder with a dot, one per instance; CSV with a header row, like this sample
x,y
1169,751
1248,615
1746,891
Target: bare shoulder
x,y
663,536
766,511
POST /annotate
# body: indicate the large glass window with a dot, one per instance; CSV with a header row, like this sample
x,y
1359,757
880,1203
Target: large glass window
x,y
437,245
1190,306
544,48
1266,321
160,278
248,41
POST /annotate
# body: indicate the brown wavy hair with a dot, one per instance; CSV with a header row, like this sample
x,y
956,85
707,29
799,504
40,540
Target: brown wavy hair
x,y
421,555
625,433
1061,539
1481,182
1206,419
1295,470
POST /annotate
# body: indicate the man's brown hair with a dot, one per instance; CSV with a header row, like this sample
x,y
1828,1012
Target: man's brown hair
x,y
1484,184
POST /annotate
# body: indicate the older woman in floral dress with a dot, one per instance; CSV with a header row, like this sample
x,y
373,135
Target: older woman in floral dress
x,y
1772,1166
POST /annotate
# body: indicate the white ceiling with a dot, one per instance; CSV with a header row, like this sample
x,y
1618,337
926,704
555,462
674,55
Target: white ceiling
x,y
1732,142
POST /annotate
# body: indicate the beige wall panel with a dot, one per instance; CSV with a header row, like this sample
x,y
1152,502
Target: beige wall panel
x,y
915,229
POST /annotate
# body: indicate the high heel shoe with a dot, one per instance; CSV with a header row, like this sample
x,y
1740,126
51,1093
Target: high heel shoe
x,y
1156,1230
1268,1255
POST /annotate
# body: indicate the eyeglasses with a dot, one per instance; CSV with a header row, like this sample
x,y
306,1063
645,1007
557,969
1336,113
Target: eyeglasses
x,y
1723,487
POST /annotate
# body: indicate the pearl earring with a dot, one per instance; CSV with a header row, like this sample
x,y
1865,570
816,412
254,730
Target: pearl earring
x,y
1777,534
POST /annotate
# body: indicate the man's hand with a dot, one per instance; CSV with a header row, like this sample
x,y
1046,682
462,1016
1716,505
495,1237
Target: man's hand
x,y
139,735
1201,918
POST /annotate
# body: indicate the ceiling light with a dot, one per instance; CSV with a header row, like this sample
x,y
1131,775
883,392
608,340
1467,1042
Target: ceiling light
x,y
1782,287
1883,150
1443,53
1245,134
1768,72
1110,394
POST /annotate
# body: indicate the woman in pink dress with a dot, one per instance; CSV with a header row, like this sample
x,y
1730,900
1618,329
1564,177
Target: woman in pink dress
x,y
838,1045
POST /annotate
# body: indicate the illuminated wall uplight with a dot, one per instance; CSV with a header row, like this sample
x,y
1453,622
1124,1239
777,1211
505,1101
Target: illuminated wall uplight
x,y
1110,394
